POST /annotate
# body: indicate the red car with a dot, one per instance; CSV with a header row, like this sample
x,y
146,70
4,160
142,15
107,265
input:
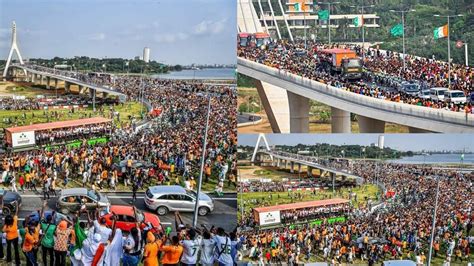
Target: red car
x,y
126,219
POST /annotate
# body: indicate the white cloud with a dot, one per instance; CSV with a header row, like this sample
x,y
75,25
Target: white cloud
x,y
170,37
209,27
97,37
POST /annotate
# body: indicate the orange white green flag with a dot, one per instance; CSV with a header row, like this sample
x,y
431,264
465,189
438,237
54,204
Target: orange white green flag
x,y
441,32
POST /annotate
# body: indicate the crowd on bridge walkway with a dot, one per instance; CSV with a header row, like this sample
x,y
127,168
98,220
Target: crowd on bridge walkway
x,y
54,239
383,68
168,152
399,228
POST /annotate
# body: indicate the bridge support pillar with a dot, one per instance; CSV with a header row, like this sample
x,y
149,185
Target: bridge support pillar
x,y
40,79
333,180
56,84
48,79
287,112
67,87
309,171
82,89
340,121
33,78
278,162
292,164
418,130
299,113
299,168
370,125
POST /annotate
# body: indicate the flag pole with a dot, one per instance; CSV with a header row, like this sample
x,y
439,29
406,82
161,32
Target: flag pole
x,y
449,59
466,54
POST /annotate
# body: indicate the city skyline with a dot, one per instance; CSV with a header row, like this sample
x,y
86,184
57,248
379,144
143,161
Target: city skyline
x,y
415,142
175,34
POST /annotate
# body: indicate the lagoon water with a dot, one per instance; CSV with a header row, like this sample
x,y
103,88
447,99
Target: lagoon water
x,y
454,158
205,73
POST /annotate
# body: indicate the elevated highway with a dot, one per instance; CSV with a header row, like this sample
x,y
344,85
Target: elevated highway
x,y
282,160
45,78
372,113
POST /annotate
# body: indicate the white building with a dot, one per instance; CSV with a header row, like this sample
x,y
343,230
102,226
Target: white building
x,y
146,54
381,141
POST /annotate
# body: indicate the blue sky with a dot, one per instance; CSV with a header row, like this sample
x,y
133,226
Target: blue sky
x,y
177,31
404,142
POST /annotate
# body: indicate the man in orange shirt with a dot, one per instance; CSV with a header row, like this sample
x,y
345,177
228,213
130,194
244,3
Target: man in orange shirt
x,y
30,241
172,253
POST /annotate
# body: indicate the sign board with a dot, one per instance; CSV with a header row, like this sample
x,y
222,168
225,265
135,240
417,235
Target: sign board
x,y
267,218
23,139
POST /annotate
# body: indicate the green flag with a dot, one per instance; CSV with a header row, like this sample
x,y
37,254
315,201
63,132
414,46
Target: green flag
x,y
357,21
297,7
323,14
397,30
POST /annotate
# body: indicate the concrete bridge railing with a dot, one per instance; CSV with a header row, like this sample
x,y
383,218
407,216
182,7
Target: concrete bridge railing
x,y
71,80
429,119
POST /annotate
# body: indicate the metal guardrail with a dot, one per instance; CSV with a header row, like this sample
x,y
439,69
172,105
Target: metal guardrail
x,y
401,113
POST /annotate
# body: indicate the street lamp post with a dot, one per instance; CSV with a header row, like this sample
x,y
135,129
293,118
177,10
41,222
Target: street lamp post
x,y
329,17
434,221
449,46
203,160
403,25
363,28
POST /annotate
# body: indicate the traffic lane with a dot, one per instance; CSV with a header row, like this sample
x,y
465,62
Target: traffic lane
x,y
224,214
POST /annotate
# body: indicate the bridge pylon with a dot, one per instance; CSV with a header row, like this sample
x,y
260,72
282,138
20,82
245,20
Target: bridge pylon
x,y
261,137
14,48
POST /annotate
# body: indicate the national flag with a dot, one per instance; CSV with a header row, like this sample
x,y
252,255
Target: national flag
x,y
397,30
323,14
358,21
441,32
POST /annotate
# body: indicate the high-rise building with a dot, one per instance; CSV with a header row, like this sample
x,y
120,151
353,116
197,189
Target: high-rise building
x,y
146,54
381,141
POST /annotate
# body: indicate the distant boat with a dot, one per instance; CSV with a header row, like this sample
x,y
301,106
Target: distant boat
x,y
195,68
426,154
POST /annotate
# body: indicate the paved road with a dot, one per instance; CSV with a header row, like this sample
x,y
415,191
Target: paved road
x,y
224,214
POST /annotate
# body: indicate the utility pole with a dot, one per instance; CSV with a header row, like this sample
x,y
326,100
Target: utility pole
x,y
203,160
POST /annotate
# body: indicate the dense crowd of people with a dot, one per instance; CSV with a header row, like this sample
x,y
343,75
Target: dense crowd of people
x,y
30,103
168,151
381,67
399,227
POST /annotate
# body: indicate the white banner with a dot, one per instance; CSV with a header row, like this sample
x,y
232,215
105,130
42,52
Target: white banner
x,y
267,218
23,139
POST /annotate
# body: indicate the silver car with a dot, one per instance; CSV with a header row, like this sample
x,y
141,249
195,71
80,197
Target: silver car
x,y
72,199
163,199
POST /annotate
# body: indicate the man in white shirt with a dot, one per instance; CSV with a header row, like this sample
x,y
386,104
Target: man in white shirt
x,y
191,246
207,250
101,228
223,248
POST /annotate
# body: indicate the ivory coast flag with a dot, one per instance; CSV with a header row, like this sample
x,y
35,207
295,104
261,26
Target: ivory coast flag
x,y
441,32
